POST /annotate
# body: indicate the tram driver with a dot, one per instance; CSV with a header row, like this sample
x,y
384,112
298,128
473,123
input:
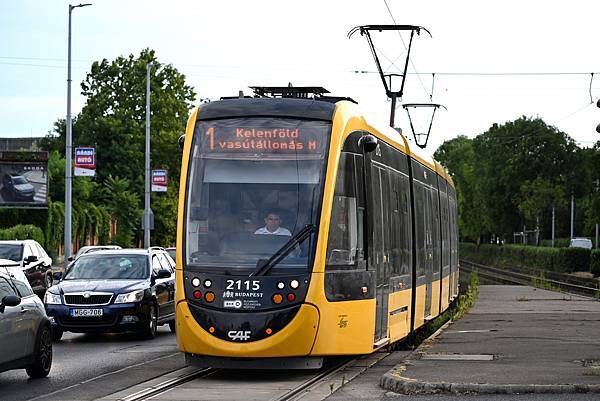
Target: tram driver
x,y
273,225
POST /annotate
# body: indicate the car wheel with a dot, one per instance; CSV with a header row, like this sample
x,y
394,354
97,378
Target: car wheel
x,y
48,281
57,334
149,330
172,326
43,355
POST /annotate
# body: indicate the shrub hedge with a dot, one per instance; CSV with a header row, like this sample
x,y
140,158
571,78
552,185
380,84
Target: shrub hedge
x,y
20,232
564,260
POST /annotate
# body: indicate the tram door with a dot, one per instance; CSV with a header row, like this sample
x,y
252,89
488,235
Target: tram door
x,y
429,218
379,259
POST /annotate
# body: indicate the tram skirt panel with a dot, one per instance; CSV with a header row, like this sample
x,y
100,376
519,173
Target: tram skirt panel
x,y
296,339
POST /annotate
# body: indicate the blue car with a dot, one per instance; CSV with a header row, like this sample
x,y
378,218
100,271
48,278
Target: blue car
x,y
114,291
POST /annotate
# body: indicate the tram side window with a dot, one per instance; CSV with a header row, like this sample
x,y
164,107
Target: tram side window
x,y
345,242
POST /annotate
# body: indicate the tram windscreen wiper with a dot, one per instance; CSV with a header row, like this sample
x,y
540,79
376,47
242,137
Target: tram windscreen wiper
x,y
262,266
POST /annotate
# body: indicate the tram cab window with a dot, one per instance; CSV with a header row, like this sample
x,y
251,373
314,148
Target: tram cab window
x,y
345,245
232,190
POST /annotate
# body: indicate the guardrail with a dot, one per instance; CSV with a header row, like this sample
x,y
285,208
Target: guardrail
x,y
538,278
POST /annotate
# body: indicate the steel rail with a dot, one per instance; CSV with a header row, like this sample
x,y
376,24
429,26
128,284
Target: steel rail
x,y
315,380
528,279
168,385
177,381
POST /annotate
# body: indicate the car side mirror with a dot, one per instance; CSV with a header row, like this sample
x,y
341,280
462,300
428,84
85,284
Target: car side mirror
x,y
71,258
163,273
57,276
31,259
9,300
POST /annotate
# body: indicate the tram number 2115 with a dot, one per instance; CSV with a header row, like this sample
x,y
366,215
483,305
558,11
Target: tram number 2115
x,y
248,285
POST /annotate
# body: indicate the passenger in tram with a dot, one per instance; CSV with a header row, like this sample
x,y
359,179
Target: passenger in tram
x,y
273,225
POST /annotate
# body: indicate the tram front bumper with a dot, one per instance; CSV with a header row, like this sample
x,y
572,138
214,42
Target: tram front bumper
x,y
294,340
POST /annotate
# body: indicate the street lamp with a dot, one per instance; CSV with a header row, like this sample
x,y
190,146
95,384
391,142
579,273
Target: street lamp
x,y
69,148
147,210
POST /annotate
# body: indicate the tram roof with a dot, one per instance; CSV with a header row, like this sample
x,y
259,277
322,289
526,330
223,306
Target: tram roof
x,y
313,109
268,107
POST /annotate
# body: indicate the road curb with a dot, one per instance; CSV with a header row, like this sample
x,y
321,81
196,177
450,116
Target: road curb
x,y
395,382
403,385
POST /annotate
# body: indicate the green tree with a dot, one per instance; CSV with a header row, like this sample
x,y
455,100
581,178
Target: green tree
x,y
538,197
458,156
113,120
508,156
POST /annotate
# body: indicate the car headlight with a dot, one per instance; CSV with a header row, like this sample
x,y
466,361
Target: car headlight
x,y
134,296
52,299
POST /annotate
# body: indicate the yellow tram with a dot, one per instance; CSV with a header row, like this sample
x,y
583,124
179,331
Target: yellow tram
x,y
304,231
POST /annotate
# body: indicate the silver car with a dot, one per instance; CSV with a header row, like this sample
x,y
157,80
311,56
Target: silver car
x,y
25,331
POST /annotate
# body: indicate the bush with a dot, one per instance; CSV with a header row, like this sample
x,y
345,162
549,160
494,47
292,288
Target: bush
x,y
21,232
574,259
512,256
595,262
558,242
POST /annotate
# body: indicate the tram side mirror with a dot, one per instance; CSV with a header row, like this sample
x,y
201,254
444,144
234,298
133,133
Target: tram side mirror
x,y
181,141
368,143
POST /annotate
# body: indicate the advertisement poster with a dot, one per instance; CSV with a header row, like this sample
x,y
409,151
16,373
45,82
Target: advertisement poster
x,y
23,179
159,181
85,162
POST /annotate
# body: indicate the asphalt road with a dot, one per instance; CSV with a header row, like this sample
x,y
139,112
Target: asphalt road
x,y
86,367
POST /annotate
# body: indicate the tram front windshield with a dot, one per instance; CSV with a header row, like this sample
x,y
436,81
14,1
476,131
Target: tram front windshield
x,y
253,184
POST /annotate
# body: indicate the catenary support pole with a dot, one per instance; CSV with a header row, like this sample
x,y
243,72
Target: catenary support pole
x,y
572,214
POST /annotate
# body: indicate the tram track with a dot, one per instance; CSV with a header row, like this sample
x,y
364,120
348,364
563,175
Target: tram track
x,y
549,280
154,391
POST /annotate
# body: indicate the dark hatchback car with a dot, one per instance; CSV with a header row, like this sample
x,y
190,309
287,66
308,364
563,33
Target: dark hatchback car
x,y
114,291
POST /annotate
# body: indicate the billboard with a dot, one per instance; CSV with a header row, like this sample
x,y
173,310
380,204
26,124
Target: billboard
x,y
23,179
159,180
85,162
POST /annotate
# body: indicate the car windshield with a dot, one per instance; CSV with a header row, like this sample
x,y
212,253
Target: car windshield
x,y
109,267
253,184
11,252
18,180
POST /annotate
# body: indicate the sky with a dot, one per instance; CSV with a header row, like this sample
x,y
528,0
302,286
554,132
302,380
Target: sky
x,y
225,46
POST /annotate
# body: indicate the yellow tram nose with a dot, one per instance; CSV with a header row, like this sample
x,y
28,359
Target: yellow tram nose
x,y
295,339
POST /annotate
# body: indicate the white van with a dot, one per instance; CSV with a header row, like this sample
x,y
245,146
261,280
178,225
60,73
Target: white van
x,y
581,243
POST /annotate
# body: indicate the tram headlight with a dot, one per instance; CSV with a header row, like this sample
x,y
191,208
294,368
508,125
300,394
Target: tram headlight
x,y
294,284
280,285
207,283
195,281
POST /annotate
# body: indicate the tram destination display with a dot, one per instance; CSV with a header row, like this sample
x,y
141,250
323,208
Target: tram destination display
x,y
23,179
261,135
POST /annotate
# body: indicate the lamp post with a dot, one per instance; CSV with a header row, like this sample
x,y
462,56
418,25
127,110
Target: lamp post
x,y
147,211
69,147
